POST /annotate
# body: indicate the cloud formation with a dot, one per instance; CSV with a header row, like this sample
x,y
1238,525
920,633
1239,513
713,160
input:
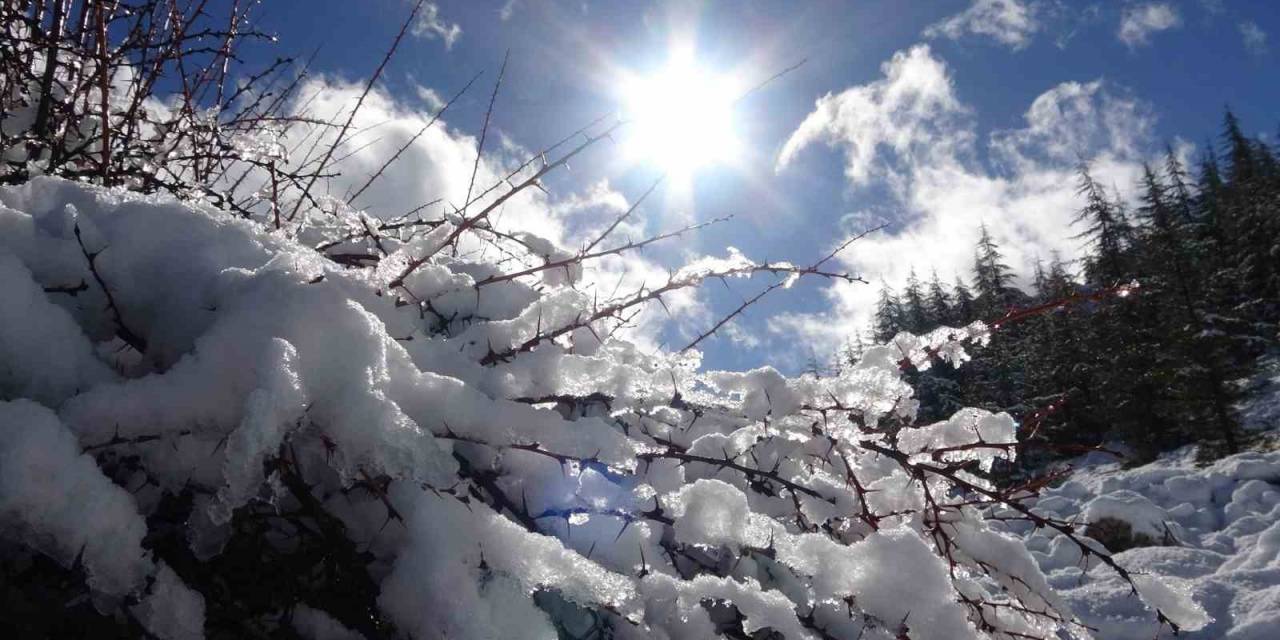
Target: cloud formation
x,y
1137,23
1255,39
431,26
1009,22
508,8
910,129
912,111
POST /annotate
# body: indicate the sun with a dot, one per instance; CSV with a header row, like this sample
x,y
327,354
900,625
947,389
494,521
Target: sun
x,y
681,118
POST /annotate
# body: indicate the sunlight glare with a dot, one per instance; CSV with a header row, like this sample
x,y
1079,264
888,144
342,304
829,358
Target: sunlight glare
x,y
683,117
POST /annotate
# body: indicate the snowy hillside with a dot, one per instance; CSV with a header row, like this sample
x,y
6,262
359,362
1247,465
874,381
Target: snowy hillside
x,y
1211,531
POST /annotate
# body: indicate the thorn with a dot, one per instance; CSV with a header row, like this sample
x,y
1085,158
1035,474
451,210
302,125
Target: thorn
x,y
664,306
78,564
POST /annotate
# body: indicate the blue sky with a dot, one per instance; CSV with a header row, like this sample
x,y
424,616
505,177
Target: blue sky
x,y
929,116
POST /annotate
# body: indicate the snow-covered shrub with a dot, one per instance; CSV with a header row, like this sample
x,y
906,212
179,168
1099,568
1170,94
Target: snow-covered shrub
x,y
193,403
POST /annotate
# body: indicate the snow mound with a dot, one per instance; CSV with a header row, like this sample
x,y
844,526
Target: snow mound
x,y
1218,556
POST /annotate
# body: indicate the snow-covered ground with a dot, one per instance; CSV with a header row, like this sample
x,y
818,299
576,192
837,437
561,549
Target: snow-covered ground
x,y
1219,526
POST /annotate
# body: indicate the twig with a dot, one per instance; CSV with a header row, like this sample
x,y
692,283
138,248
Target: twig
x,y
132,339
484,131
368,87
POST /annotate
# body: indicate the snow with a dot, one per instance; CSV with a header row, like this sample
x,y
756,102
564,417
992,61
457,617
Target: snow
x,y
314,624
893,575
54,498
711,512
1132,507
1217,576
172,610
735,261
47,357
762,609
576,479
970,434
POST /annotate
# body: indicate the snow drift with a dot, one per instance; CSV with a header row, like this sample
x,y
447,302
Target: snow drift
x,y
1219,526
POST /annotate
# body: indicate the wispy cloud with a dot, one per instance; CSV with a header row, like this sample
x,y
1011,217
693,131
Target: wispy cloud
x,y
925,147
429,97
1255,39
431,26
910,112
1008,22
507,10
1137,23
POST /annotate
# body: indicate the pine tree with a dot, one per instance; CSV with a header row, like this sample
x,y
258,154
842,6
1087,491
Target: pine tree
x,y
914,313
1106,231
938,302
996,373
888,318
1056,355
1040,281
853,349
1179,181
1242,163
965,309
992,278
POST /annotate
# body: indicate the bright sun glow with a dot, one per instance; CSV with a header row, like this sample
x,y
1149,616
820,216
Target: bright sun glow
x,y
682,117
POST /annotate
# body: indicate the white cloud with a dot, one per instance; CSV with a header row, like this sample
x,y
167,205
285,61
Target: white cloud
x,y
430,99
430,25
1068,122
1025,193
508,8
437,165
911,113
1213,7
1137,23
740,337
1069,21
1255,39
816,328
1009,22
